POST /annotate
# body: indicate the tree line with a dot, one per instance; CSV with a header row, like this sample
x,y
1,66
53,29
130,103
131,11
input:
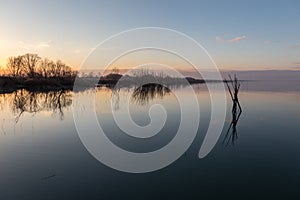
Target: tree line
x,y
33,66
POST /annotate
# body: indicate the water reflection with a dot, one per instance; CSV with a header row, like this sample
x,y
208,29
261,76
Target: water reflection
x,y
116,98
143,94
268,159
23,101
231,134
233,89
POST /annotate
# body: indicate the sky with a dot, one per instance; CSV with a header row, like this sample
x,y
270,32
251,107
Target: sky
x,y
239,35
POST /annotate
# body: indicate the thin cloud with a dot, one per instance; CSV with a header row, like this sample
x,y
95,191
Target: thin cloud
x,y
77,51
270,42
219,39
237,39
296,68
44,44
83,50
35,47
296,46
233,40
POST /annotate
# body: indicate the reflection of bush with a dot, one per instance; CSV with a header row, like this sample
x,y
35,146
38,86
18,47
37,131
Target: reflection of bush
x,y
31,102
142,95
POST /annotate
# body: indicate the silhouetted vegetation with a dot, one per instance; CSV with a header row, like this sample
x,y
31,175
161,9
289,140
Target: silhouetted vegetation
x,y
31,71
144,76
33,66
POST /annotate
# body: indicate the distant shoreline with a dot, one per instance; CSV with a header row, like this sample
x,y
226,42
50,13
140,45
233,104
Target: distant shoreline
x,y
10,84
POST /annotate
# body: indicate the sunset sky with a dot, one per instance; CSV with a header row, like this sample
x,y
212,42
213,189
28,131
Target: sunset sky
x,y
238,35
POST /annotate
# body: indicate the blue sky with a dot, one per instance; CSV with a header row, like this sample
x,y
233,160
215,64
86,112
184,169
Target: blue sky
x,y
238,34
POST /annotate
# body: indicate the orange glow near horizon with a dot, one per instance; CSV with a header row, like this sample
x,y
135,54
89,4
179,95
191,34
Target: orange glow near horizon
x,y
139,58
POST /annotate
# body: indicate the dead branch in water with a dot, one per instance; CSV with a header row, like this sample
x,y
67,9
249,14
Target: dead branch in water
x,y
233,89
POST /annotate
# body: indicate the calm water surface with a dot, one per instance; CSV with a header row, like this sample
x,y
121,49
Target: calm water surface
x,y
42,157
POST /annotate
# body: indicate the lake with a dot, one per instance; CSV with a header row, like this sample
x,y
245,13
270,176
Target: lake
x,y
42,156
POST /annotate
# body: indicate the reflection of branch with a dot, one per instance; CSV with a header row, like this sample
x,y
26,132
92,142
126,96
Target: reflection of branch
x,y
233,136
143,94
32,102
2,127
236,110
18,116
19,103
116,98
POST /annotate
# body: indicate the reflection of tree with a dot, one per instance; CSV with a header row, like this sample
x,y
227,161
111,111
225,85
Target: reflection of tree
x,y
143,94
116,98
19,104
33,102
236,111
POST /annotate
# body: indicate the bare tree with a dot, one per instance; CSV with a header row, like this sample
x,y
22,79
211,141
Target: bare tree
x,y
65,71
59,66
30,62
62,70
47,68
115,70
51,69
31,65
11,66
43,68
14,65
